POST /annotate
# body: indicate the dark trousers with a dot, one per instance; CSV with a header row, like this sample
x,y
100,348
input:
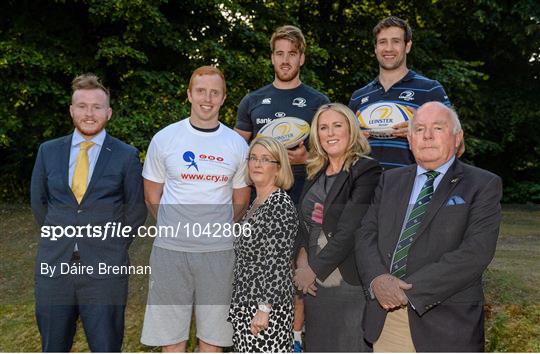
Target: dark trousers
x,y
100,303
334,319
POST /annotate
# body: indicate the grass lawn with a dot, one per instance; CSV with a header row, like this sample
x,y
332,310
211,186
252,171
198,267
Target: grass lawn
x,y
512,285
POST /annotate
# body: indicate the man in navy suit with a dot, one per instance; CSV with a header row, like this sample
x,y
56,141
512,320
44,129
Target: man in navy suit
x,y
425,242
87,197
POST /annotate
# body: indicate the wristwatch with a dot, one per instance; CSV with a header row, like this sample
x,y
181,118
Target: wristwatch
x,y
264,308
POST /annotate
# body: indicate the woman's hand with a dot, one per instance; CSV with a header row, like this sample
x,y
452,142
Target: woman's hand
x,y
259,322
302,259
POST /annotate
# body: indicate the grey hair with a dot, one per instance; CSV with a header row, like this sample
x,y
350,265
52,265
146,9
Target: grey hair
x,y
451,112
455,120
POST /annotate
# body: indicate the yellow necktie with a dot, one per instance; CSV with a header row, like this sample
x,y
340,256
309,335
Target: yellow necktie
x,y
80,175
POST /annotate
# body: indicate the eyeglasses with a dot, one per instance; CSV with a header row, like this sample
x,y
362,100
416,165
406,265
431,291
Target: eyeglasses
x,y
263,161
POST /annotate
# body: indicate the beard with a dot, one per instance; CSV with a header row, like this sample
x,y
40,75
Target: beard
x,y
289,76
90,130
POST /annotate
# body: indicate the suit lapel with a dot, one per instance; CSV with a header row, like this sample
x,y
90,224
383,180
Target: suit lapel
x,y
101,163
450,180
404,189
338,184
65,151
309,183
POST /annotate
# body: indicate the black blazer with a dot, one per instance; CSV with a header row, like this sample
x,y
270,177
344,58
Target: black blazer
x,y
452,248
344,207
114,194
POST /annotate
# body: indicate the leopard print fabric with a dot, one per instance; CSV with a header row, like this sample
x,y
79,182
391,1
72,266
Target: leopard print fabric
x,y
263,274
277,338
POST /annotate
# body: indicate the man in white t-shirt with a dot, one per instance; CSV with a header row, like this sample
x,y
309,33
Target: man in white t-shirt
x,y
194,185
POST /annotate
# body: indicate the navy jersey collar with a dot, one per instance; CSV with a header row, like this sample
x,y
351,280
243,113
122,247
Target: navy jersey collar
x,y
408,77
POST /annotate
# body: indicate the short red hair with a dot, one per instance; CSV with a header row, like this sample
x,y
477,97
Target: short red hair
x,y
207,70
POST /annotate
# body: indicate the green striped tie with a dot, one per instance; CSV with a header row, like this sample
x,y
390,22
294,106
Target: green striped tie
x,y
399,260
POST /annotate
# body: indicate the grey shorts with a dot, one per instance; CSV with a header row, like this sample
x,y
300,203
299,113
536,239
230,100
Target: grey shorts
x,y
180,280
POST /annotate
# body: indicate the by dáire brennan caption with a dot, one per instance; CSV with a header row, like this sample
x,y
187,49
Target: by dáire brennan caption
x,y
66,268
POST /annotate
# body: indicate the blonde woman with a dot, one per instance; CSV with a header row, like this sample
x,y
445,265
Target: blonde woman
x,y
262,302
340,184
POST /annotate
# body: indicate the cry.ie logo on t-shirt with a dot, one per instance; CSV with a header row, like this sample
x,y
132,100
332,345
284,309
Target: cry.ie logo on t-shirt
x,y
189,156
191,159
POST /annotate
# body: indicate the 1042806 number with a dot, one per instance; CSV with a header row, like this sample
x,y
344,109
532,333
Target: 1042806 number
x,y
217,230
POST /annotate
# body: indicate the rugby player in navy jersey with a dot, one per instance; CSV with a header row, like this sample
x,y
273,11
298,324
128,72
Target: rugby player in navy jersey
x,y
285,96
395,84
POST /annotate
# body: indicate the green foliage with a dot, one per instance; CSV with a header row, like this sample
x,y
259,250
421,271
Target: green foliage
x,y
485,53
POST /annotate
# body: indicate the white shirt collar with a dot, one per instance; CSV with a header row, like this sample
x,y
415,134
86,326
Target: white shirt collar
x,y
442,169
97,139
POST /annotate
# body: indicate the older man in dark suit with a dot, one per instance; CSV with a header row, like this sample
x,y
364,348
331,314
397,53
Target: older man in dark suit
x,y
425,242
87,197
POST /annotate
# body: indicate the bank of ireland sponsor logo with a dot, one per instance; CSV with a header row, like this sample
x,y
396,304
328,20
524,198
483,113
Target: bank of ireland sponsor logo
x,y
189,156
263,120
280,114
299,102
267,101
364,100
407,95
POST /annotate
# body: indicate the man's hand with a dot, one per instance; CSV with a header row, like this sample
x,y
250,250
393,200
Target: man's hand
x,y
297,155
366,133
389,291
259,322
400,130
304,280
311,290
152,196
240,199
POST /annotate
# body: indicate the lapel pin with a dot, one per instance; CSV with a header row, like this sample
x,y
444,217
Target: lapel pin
x,y
109,149
454,180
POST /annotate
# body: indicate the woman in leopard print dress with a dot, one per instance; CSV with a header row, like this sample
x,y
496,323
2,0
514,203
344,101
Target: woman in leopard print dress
x,y
262,302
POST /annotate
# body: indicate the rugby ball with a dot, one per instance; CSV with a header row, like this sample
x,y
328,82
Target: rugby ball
x,y
379,118
289,131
